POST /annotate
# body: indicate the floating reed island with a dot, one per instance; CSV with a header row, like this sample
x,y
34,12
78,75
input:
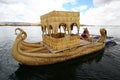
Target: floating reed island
x,y
56,46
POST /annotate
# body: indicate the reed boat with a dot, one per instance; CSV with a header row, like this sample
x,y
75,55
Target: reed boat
x,y
56,46
41,54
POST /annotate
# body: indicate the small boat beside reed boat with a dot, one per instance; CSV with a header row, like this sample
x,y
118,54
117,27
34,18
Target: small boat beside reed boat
x,y
40,54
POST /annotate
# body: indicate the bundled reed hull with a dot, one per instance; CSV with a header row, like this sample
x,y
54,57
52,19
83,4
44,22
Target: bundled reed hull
x,y
38,54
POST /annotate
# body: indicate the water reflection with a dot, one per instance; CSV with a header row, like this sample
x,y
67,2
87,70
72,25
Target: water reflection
x,y
60,71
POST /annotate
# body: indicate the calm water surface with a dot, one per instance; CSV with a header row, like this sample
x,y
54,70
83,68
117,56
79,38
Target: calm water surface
x,y
104,65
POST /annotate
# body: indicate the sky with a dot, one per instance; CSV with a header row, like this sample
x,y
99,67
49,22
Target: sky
x,y
92,12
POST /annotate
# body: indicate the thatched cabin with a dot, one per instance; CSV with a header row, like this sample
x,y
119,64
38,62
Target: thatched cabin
x,y
51,28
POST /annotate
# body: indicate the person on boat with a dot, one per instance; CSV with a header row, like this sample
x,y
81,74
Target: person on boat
x,y
85,35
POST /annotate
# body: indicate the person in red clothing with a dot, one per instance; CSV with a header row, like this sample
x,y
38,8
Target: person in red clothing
x,y
85,35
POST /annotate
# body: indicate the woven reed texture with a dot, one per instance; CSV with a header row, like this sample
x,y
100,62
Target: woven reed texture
x,y
36,57
55,18
57,42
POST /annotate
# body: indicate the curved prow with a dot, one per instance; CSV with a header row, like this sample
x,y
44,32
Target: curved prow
x,y
21,34
103,33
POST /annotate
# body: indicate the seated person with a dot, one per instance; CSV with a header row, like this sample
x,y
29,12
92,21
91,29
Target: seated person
x,y
85,35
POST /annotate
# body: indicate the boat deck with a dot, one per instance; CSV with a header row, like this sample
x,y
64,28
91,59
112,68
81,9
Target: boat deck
x,y
82,43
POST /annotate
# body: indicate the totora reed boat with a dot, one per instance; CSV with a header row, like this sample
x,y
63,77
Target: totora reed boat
x,y
55,46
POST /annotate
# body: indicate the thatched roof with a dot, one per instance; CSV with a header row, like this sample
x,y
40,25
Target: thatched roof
x,y
53,20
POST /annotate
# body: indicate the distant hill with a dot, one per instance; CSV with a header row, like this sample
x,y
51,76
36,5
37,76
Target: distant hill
x,y
24,24
38,24
18,24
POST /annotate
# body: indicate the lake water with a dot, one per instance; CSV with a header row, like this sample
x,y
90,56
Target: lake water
x,y
104,65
